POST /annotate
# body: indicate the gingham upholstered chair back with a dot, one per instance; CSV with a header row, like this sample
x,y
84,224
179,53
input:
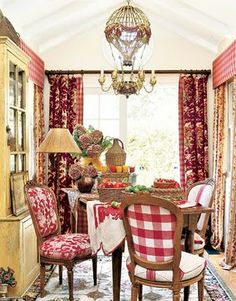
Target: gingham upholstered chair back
x,y
43,208
202,193
153,227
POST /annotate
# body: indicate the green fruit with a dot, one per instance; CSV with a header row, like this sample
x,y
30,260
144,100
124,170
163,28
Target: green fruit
x,y
115,204
136,189
150,189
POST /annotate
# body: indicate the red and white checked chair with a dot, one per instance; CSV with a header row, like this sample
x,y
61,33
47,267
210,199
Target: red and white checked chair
x,y
54,247
201,193
153,227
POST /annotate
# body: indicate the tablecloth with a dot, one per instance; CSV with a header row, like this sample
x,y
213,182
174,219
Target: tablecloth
x,y
105,227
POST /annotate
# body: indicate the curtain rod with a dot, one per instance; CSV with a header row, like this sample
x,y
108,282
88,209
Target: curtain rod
x,y
47,72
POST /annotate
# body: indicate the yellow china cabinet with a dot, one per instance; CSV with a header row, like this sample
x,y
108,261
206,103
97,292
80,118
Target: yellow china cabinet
x,y
18,240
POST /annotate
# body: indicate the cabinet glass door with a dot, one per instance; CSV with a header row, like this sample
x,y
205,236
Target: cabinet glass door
x,y
17,118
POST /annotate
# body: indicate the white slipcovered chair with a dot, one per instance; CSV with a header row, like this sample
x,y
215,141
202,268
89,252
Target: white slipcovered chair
x,y
201,193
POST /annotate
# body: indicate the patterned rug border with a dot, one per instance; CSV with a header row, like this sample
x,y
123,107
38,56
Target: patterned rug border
x,y
222,284
212,280
36,285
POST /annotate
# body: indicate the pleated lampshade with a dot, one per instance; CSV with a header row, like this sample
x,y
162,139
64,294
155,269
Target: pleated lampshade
x,y
58,140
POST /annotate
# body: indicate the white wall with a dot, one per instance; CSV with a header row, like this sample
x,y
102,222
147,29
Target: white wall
x,y
85,51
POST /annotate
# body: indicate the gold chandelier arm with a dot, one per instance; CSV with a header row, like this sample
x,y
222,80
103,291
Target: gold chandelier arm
x,y
106,89
148,91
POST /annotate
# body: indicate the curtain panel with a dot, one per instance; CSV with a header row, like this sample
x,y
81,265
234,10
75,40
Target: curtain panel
x,y
39,133
217,218
193,134
65,111
230,251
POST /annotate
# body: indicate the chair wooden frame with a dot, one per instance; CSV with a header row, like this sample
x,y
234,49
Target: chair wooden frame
x,y
202,232
173,265
69,264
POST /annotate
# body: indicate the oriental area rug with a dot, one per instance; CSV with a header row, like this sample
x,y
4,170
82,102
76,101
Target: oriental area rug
x,y
85,291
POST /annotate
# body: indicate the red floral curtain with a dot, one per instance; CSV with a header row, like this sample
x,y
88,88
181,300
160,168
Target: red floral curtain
x,y
65,111
193,139
39,133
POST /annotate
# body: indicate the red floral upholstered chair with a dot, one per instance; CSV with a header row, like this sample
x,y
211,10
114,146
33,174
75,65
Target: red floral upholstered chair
x,y
201,193
153,227
55,248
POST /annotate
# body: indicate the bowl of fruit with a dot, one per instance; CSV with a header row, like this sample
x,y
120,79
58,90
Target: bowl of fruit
x,y
138,189
111,190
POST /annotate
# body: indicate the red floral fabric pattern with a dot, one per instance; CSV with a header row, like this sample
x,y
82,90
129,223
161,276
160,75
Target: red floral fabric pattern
x,y
44,210
66,246
105,210
193,128
65,110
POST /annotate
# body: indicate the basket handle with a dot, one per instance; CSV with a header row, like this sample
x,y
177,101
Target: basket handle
x,y
122,144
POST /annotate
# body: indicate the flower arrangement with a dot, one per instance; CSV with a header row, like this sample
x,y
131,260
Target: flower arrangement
x,y
90,141
77,171
6,277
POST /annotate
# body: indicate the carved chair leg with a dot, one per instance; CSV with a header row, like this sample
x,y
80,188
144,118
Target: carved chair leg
x,y
176,296
70,281
94,261
60,274
200,287
42,279
140,292
134,292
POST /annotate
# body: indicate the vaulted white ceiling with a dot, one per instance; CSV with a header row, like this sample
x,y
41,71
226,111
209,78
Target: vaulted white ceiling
x,y
48,23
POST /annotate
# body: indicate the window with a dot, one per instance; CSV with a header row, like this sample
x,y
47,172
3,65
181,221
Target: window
x,y
147,124
153,133
106,112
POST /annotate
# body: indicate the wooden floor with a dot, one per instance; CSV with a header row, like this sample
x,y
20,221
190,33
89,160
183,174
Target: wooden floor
x,y
228,277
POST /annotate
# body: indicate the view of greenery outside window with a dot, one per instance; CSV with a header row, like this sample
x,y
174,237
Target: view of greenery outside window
x,y
153,146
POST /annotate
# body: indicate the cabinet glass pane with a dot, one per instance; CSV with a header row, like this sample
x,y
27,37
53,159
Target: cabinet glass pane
x,y
12,85
12,163
12,121
20,90
21,126
12,125
12,71
12,93
21,162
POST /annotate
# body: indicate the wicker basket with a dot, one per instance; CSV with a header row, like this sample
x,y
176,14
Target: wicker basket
x,y
170,194
116,154
118,176
110,194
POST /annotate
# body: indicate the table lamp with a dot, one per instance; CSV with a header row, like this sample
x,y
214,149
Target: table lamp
x,y
58,140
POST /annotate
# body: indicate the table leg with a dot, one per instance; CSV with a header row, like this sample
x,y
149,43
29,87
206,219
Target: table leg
x,y
192,226
116,272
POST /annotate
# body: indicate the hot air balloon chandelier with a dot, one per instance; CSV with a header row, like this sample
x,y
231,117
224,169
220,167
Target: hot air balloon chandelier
x,y
128,33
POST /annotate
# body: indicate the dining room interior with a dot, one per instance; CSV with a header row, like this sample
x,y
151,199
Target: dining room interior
x,y
118,165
